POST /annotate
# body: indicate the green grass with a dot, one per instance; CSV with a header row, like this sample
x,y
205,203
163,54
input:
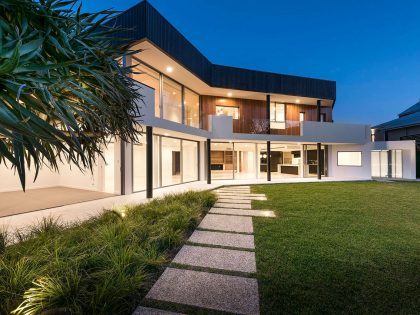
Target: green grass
x,y
339,248
103,266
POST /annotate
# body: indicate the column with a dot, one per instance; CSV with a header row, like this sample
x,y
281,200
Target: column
x,y
268,161
318,110
319,157
268,101
208,161
149,162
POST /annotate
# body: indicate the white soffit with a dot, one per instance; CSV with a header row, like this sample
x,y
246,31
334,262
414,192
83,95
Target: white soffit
x,y
159,60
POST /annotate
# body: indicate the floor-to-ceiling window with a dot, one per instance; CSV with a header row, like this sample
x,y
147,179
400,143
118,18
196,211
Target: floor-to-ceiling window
x,y
170,161
139,164
222,157
245,160
192,108
310,166
286,160
387,163
189,161
151,78
171,100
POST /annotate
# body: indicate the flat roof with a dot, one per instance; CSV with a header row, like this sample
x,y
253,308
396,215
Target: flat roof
x,y
143,21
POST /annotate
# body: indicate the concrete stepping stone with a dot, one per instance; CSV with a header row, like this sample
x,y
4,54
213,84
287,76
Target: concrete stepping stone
x,y
234,200
217,258
223,239
251,213
234,189
231,205
233,294
241,196
227,223
141,310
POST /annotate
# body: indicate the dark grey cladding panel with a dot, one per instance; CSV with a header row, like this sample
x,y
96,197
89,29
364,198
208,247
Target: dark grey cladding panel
x,y
144,21
266,82
167,37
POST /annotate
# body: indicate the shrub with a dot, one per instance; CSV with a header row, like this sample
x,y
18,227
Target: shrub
x,y
102,266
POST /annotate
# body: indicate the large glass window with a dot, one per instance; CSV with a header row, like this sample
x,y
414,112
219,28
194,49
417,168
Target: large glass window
x,y
349,158
172,100
149,77
277,116
244,161
222,157
228,111
192,108
139,164
387,163
189,161
170,161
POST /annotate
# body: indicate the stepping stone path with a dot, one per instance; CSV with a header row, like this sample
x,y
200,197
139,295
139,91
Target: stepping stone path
x,y
216,270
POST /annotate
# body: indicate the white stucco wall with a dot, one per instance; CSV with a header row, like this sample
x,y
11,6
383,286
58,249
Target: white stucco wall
x,y
356,172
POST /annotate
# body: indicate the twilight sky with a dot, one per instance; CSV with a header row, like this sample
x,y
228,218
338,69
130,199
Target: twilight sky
x,y
371,48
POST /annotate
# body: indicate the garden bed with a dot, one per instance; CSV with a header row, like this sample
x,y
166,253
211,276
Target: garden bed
x,y
102,266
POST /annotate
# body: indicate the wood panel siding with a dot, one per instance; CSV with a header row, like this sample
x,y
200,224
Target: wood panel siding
x,y
252,112
292,118
248,110
143,21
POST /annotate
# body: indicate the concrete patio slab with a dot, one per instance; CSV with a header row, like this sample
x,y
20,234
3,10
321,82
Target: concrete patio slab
x,y
141,310
217,258
227,223
234,200
223,239
231,205
251,213
207,290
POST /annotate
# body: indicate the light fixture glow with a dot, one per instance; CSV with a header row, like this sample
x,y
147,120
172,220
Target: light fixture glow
x,y
229,94
166,134
169,69
298,101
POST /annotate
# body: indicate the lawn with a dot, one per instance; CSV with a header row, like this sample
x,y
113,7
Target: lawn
x,y
339,248
103,266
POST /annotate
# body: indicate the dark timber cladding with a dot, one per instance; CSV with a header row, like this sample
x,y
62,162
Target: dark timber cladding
x,y
144,22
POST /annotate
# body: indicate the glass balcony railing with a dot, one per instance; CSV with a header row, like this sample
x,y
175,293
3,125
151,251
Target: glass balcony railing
x,y
264,126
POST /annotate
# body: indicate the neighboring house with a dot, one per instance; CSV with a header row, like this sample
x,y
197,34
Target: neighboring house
x,y
405,127
210,122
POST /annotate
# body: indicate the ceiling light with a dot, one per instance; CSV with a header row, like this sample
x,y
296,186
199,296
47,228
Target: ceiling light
x,y
169,69
166,134
229,94
298,101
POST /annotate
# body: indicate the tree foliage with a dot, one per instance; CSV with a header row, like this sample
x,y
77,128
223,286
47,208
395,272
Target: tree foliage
x,y
63,92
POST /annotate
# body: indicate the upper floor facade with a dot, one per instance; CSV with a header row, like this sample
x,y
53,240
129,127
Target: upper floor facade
x,y
189,88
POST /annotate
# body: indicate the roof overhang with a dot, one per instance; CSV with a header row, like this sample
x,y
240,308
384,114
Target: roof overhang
x,y
144,25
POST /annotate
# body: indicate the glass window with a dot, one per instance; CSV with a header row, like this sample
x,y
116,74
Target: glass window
x,y
277,116
192,108
277,112
244,160
139,164
323,118
149,77
222,157
349,158
172,99
171,161
228,111
189,161
302,116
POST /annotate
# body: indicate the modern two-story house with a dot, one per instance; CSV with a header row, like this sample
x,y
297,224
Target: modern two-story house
x,y
207,122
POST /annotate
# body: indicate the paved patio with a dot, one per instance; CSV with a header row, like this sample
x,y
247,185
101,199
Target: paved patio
x,y
18,202
204,274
